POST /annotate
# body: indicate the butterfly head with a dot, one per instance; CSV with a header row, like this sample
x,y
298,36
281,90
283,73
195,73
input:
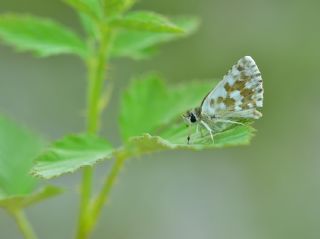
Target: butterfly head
x,y
191,116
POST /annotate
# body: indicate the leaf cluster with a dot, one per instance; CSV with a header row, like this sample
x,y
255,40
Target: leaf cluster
x,y
150,113
149,121
135,34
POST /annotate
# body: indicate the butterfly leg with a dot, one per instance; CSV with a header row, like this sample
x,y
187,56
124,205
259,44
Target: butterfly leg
x,y
198,130
189,135
208,128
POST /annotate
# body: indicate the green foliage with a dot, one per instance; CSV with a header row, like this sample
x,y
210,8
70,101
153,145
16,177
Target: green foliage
x,y
91,8
113,7
176,138
149,103
22,201
142,44
90,13
15,164
230,136
155,109
41,36
70,154
18,147
145,21
150,115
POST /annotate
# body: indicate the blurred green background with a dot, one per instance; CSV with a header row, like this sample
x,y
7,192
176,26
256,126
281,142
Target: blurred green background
x,y
270,189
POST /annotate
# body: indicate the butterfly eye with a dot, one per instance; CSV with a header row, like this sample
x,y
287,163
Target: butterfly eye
x,y
193,119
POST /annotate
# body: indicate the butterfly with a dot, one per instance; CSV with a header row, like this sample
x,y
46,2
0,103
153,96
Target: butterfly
x,y
236,97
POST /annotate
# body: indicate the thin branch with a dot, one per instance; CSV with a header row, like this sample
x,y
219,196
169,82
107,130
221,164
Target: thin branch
x,y
104,194
23,223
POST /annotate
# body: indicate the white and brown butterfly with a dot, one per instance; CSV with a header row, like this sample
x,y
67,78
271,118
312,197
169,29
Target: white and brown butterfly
x,y
237,96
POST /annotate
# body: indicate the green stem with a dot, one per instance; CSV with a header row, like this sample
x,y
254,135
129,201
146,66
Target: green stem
x,y
104,194
82,232
23,224
97,65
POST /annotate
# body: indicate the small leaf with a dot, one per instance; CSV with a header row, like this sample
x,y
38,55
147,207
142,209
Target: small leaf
x,y
15,164
41,36
90,26
145,21
151,119
18,147
139,45
91,8
90,13
70,154
113,7
21,201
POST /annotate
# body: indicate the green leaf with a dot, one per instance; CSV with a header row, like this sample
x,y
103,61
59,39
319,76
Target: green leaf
x,y
18,147
90,27
90,13
21,201
145,21
70,154
149,103
151,119
91,8
139,45
113,7
177,139
42,36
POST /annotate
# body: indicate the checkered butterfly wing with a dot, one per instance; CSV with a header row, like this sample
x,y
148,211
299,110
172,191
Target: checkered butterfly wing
x,y
238,94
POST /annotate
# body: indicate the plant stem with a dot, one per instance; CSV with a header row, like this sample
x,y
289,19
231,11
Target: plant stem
x,y
96,65
104,194
23,223
84,202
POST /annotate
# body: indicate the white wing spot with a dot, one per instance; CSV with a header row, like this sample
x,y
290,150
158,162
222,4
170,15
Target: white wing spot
x,y
259,103
230,79
222,106
250,84
234,72
237,108
236,95
220,92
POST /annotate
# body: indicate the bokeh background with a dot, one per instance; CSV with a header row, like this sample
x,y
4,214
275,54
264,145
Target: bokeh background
x,y
270,189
